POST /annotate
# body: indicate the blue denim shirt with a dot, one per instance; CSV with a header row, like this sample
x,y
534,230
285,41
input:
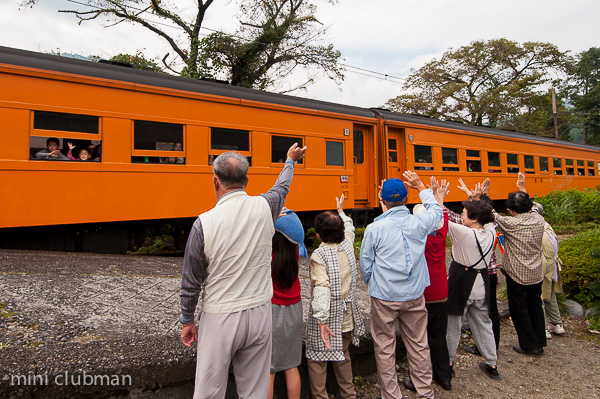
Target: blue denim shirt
x,y
392,256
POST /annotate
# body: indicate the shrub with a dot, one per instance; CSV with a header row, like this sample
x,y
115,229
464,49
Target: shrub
x,y
565,207
581,266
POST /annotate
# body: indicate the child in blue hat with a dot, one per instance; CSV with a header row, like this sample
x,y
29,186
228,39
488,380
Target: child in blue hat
x,y
286,304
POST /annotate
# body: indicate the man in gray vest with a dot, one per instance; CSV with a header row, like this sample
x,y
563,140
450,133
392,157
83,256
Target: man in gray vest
x,y
228,254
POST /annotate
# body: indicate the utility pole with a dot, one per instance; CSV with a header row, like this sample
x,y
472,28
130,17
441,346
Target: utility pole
x,y
554,114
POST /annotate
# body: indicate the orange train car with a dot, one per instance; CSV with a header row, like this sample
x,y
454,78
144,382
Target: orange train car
x,y
142,145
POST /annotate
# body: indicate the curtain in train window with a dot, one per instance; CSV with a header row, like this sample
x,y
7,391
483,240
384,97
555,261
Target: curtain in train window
x,y
280,146
359,147
334,153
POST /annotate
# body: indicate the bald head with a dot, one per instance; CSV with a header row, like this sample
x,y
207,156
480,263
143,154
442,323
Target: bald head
x,y
231,168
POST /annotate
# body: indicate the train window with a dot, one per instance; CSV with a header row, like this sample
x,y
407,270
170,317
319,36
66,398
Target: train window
x,y
569,168
280,146
359,147
512,161
494,162
156,136
580,168
211,159
473,161
543,164
393,150
449,159
334,153
529,162
64,149
423,156
591,171
557,164
44,120
229,139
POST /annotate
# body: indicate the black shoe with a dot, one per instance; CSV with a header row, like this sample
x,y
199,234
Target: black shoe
x,y
490,371
409,385
446,385
532,352
472,349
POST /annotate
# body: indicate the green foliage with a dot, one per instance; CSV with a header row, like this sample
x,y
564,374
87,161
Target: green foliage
x,y
571,207
138,61
581,266
311,234
594,323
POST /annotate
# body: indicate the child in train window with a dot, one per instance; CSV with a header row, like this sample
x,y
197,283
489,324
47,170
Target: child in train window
x,y
80,154
52,151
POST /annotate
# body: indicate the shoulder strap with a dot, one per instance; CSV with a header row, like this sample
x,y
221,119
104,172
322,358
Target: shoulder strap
x,y
481,251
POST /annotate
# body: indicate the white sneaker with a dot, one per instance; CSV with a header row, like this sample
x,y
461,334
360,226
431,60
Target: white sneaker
x,y
548,335
557,329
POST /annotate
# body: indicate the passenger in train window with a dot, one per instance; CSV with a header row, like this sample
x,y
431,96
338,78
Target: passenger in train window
x,y
94,151
178,147
393,249
52,152
334,317
81,155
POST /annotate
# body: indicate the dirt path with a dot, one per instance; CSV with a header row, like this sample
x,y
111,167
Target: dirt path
x,y
569,368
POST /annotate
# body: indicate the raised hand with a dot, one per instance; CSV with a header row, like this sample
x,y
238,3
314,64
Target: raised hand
x,y
71,146
486,186
296,153
340,203
521,182
463,187
413,180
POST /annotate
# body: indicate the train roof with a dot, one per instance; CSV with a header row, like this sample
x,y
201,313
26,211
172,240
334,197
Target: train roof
x,y
114,72
74,66
424,120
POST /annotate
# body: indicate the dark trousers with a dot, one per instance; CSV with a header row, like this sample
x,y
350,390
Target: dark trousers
x,y
437,325
494,316
527,313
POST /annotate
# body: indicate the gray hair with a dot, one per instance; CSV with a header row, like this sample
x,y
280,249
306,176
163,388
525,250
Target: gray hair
x,y
231,168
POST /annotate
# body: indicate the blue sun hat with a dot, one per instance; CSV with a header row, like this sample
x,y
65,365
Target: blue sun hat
x,y
290,226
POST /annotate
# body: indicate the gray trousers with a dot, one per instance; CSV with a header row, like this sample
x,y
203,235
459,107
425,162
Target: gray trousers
x,y
242,339
481,327
552,314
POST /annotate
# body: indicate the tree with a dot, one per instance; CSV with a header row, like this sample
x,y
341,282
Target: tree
x,y
486,82
585,93
138,61
275,37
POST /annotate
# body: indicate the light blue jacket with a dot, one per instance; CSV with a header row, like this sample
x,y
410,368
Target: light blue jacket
x,y
392,256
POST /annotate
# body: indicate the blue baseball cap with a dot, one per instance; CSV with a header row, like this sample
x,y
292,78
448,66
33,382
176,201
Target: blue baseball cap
x,y
290,226
393,190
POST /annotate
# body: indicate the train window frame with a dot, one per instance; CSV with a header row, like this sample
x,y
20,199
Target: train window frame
x,y
491,167
39,143
473,158
569,167
392,151
544,165
557,170
160,156
358,144
450,167
512,167
423,165
529,170
301,138
49,132
327,153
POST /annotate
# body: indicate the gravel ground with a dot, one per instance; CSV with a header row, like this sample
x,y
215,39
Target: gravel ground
x,y
104,312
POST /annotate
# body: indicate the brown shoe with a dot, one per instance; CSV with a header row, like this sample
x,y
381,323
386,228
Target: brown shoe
x,y
408,384
446,385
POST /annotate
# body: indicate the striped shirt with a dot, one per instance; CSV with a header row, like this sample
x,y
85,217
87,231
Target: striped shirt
x,y
523,246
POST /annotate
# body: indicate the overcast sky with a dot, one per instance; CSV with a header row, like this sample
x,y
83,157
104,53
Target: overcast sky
x,y
386,36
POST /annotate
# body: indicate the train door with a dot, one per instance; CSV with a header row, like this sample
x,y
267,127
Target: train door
x,y
396,159
363,164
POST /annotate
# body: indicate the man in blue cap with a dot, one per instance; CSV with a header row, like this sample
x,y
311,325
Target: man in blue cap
x,y
393,264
